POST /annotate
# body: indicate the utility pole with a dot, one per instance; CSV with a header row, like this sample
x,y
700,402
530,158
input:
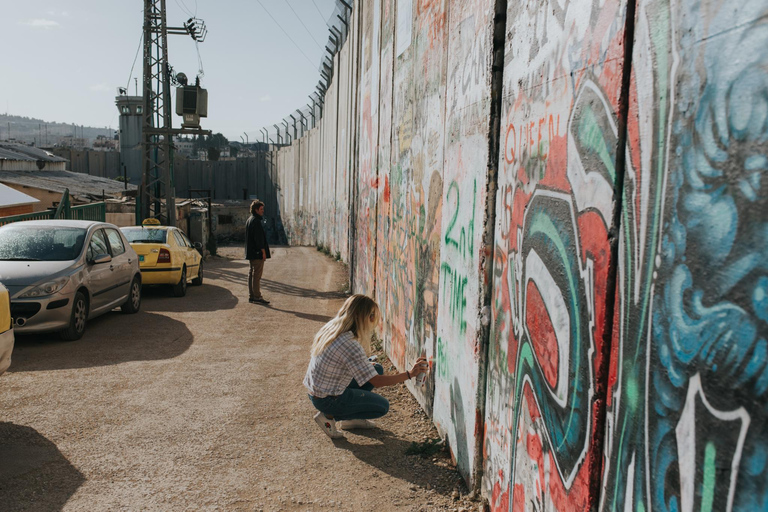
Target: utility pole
x,y
158,196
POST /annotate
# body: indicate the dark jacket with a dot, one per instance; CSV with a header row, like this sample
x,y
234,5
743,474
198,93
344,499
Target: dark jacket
x,y
255,238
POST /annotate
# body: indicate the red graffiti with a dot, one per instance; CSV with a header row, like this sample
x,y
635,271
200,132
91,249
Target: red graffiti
x,y
534,136
540,328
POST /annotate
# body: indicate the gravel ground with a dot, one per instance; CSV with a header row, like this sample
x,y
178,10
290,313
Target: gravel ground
x,y
196,403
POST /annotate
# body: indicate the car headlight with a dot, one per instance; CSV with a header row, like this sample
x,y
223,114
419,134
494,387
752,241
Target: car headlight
x,y
48,288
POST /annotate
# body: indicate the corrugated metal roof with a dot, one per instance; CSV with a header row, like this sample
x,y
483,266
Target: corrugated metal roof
x,y
14,151
12,197
80,185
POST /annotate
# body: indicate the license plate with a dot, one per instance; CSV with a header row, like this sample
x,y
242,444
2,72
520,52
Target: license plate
x,y
141,257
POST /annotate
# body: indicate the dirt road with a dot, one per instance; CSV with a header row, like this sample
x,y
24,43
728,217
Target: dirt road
x,y
196,403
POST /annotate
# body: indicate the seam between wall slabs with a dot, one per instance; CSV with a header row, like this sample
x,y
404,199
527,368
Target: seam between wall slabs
x,y
375,266
393,21
489,231
336,81
613,268
357,9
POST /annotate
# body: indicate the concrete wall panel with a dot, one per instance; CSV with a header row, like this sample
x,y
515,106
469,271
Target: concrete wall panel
x,y
457,350
546,372
686,422
366,185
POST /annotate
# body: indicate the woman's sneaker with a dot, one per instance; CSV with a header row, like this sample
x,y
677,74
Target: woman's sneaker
x,y
327,426
351,424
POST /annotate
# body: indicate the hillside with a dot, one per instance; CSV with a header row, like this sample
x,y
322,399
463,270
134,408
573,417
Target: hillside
x,y
45,133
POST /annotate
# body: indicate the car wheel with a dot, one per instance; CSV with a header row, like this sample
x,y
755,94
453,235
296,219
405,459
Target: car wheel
x,y
133,303
77,319
180,288
199,279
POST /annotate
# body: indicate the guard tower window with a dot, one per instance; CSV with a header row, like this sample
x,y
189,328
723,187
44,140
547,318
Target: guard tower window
x,y
139,109
125,109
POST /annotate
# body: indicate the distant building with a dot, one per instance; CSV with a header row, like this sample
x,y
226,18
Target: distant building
x,y
73,142
103,143
184,146
48,186
19,157
13,202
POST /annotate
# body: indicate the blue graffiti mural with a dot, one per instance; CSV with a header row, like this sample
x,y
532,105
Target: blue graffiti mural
x,y
687,430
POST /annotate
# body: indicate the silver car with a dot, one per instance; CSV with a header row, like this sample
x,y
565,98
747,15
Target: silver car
x,y
61,273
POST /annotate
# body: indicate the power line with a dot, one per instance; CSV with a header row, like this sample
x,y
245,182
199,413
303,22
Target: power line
x,y
134,62
318,9
184,8
303,25
286,34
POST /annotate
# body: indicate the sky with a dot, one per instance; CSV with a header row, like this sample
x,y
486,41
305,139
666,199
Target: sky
x,y
63,60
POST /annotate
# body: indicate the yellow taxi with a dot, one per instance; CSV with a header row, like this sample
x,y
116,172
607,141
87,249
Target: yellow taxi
x,y
6,329
166,256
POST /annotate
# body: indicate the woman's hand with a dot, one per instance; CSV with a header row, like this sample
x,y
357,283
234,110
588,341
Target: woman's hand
x,y
420,366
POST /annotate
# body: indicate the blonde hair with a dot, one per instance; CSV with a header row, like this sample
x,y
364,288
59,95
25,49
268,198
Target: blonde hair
x,y
359,314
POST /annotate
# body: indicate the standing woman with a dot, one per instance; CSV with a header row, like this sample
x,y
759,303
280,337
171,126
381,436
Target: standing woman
x,y
340,378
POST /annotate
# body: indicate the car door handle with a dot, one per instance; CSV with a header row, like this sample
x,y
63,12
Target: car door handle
x,y
111,267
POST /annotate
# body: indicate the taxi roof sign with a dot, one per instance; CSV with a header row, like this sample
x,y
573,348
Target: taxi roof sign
x,y
151,222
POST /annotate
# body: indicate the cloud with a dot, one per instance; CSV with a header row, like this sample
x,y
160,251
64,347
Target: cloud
x,y
100,88
61,14
266,98
40,23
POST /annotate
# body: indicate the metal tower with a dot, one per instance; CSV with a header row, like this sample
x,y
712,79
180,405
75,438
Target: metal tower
x,y
157,194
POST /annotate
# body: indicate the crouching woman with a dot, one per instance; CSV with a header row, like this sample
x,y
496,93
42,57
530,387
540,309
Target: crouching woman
x,y
340,378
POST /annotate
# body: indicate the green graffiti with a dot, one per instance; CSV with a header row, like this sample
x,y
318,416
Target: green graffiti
x,y
708,492
632,394
441,362
465,243
454,287
592,138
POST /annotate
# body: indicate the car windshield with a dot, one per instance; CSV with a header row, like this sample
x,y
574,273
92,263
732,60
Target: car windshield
x,y
40,243
141,235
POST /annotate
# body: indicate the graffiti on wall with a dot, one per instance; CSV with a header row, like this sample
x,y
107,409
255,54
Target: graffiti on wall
x,y
687,409
466,124
414,187
554,209
366,184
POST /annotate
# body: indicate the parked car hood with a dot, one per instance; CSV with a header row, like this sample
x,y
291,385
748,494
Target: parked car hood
x,y
26,273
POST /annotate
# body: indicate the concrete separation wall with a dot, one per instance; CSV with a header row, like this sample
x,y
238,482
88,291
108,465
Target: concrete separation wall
x,y
564,205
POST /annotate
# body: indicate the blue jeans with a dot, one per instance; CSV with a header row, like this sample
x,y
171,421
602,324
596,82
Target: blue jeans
x,y
355,403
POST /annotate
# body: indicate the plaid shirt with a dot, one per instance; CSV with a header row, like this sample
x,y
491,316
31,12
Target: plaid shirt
x,y
332,371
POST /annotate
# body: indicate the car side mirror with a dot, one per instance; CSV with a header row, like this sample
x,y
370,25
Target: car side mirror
x,y
198,246
101,258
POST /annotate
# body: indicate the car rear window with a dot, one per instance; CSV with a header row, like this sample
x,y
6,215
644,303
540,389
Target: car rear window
x,y
139,235
40,243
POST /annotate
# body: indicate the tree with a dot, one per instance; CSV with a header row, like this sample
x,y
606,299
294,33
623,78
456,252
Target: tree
x,y
213,154
233,151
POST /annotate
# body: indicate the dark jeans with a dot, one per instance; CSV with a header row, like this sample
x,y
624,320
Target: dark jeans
x,y
355,403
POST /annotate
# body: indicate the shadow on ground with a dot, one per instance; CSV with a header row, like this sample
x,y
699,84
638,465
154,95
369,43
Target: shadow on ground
x,y
296,291
34,475
110,339
207,297
388,456
233,271
306,316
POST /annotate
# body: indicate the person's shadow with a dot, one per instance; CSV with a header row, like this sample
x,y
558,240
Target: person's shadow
x,y
33,472
306,316
389,456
